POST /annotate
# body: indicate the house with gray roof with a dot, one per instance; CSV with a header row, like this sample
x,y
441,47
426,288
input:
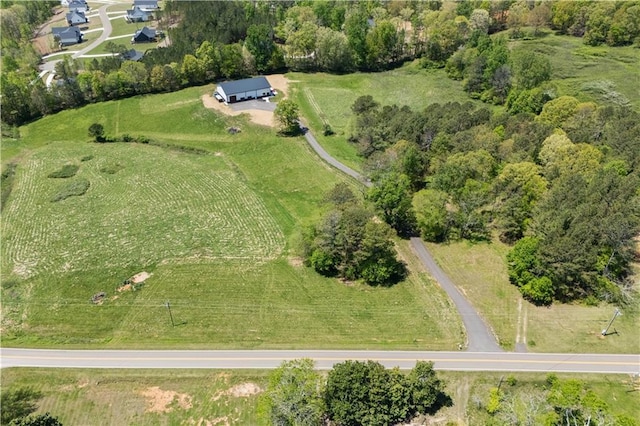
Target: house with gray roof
x,y
67,36
78,5
146,5
75,17
132,55
137,15
241,90
145,35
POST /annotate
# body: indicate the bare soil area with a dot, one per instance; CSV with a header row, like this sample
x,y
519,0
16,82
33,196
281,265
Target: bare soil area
x,y
264,118
160,401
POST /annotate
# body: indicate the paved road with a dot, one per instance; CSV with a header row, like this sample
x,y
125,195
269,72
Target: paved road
x,y
479,335
459,361
106,32
332,161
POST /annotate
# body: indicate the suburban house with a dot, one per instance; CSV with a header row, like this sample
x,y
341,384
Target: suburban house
x,y
76,17
241,90
137,15
78,6
146,5
144,35
66,36
132,55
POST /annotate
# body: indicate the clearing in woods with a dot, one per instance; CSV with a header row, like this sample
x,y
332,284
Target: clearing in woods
x,y
213,217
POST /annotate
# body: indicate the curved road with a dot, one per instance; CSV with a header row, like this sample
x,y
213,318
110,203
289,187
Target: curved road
x,y
480,338
459,361
106,32
332,161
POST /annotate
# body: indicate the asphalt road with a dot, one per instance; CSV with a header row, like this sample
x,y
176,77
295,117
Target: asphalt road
x,y
480,338
479,335
106,32
252,359
332,161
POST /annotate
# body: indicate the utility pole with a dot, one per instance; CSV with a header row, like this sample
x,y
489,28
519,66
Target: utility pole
x,y
615,314
170,315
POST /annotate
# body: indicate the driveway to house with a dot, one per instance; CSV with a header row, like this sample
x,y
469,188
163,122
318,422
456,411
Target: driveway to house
x,y
332,161
480,338
253,104
479,335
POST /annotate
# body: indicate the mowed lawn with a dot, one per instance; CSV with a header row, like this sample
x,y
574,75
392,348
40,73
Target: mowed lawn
x,y
326,98
169,397
480,272
216,231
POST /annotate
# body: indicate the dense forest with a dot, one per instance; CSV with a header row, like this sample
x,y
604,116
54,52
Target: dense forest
x,y
554,176
225,40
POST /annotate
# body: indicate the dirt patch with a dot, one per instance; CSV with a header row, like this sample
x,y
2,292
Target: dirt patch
x,y
42,37
160,401
265,118
243,390
140,278
295,261
126,287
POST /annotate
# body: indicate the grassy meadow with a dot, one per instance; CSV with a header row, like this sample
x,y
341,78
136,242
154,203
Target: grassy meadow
x,y
326,98
163,397
602,74
215,228
480,272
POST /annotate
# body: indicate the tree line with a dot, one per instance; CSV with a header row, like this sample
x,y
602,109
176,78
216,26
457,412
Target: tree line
x,y
227,40
353,393
561,186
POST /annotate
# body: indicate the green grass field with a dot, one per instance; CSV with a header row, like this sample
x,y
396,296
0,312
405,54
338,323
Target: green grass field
x,y
326,98
603,74
143,397
216,231
163,397
480,272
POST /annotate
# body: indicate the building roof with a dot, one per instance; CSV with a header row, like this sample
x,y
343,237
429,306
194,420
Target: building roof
x,y
136,12
148,32
146,3
78,4
73,13
132,55
245,85
66,31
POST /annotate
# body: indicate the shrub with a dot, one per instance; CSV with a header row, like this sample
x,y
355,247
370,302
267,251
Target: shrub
x,y
539,291
76,188
67,171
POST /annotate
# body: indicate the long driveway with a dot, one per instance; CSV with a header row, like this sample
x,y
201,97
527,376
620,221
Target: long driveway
x,y
479,335
332,161
459,361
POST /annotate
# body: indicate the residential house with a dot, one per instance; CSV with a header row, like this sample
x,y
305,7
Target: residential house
x,y
67,36
137,15
240,90
132,55
79,6
76,17
146,5
145,35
